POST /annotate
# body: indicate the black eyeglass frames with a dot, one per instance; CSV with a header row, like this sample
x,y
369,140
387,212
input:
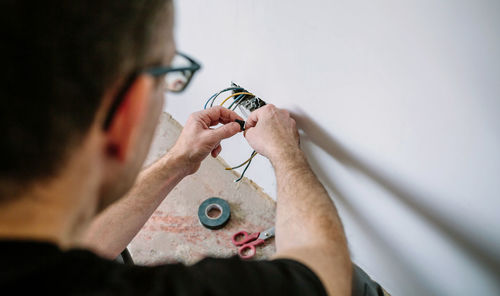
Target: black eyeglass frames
x,y
180,72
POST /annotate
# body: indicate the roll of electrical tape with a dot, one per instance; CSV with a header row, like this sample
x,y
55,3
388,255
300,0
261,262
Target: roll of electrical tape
x,y
217,204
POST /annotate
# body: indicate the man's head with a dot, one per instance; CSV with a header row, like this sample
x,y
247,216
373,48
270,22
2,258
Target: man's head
x,y
63,65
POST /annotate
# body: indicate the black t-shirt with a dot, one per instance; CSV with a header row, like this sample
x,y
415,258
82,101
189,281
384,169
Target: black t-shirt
x,y
43,269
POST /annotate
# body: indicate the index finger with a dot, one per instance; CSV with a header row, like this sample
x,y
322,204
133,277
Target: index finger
x,y
218,114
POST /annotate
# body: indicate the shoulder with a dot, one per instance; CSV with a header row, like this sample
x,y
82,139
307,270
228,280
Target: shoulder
x,y
280,276
82,272
211,276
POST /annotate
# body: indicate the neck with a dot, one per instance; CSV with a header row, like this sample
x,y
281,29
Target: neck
x,y
55,211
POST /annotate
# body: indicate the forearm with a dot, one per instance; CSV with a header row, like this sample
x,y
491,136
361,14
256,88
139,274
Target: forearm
x,y
308,227
113,229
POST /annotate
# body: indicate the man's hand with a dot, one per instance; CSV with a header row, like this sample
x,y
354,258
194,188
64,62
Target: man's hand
x,y
198,139
272,132
308,228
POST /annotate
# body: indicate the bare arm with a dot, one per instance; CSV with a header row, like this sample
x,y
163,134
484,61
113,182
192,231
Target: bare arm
x,y
308,228
113,229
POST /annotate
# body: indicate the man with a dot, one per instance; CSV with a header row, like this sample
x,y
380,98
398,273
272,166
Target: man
x,y
79,107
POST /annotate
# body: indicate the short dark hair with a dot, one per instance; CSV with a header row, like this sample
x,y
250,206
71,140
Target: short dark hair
x,y
58,58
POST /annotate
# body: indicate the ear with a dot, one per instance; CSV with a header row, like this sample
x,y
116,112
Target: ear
x,y
128,117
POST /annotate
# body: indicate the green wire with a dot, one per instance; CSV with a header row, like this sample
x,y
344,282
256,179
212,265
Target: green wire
x,y
243,173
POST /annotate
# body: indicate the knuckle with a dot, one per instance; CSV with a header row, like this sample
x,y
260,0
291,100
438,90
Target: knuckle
x,y
270,107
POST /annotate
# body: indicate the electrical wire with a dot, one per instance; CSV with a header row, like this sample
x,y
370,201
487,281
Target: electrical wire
x,y
227,89
232,88
240,93
237,104
214,96
244,171
205,106
235,100
239,97
235,94
247,161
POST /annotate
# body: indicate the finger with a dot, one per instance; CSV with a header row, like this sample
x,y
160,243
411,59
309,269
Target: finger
x,y
227,116
225,131
254,117
247,132
216,151
218,114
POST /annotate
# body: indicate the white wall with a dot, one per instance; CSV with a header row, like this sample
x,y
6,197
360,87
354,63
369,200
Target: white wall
x,y
400,106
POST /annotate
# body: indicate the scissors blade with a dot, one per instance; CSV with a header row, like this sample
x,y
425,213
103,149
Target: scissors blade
x,y
266,233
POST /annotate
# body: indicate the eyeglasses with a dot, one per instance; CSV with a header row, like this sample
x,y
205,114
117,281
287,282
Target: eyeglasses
x,y
180,73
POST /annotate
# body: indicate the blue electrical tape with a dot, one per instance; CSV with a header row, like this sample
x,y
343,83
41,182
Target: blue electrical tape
x,y
214,203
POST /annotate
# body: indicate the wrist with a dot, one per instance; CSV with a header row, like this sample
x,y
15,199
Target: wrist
x,y
287,159
178,163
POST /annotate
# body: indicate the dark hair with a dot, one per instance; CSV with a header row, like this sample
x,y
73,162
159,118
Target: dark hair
x,y
58,58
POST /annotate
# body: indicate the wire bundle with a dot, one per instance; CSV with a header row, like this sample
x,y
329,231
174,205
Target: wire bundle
x,y
244,98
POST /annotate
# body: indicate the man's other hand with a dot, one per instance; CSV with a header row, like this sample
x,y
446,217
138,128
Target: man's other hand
x,y
198,139
272,132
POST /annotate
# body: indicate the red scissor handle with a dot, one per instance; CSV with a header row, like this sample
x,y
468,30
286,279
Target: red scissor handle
x,y
241,238
247,251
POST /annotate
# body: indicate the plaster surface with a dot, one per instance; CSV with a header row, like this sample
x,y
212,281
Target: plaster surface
x,y
174,233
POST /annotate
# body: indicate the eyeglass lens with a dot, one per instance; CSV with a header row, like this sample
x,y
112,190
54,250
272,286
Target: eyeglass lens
x,y
178,80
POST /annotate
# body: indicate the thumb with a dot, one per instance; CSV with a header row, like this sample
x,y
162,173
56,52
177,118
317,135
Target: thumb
x,y
227,130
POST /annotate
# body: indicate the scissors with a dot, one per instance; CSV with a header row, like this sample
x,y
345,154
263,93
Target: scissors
x,y
248,242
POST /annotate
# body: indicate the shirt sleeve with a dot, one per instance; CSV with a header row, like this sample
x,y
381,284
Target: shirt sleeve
x,y
234,277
